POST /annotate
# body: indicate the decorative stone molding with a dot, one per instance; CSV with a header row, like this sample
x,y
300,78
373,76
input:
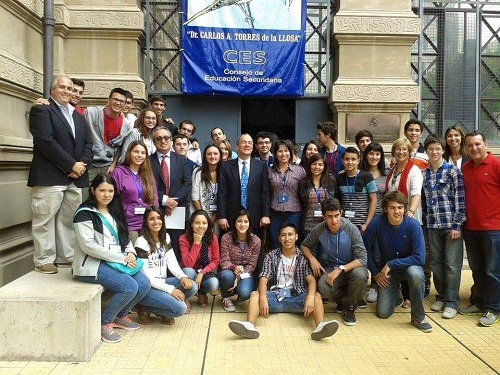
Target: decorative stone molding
x,y
375,25
370,93
33,6
101,89
20,73
103,18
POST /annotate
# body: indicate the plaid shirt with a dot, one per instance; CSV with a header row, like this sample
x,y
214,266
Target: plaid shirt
x,y
445,198
286,185
272,263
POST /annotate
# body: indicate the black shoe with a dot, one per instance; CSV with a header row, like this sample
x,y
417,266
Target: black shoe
x,y
362,304
339,309
427,291
349,317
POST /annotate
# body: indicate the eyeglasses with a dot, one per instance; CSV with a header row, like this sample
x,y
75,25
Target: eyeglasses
x,y
263,143
165,138
250,143
117,101
401,150
150,118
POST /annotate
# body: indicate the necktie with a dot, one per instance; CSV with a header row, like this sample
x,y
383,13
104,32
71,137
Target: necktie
x,y
244,185
166,176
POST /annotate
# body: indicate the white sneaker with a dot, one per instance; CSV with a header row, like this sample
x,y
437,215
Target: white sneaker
x,y
228,305
243,329
325,329
449,313
372,295
437,306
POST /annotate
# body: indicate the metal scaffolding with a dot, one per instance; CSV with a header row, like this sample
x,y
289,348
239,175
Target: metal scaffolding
x,y
456,62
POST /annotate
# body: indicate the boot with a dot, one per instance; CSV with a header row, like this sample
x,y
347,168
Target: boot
x,y
143,316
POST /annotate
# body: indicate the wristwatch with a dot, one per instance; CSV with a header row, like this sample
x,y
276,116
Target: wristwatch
x,y
342,268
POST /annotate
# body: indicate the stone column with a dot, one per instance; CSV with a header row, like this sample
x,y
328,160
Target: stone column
x,y
373,88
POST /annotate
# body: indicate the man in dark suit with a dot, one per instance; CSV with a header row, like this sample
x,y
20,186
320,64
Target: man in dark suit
x,y
61,152
231,197
173,178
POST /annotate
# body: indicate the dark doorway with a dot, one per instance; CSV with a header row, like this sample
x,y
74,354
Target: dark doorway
x,y
272,115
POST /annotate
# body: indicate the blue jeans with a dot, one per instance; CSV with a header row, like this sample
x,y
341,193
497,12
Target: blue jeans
x,y
387,297
188,293
163,304
207,285
483,254
277,218
243,288
290,304
127,290
447,257
348,288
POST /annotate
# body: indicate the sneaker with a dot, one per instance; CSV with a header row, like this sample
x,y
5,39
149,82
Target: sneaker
x,y
400,300
471,310
449,313
362,304
108,334
339,309
488,319
243,329
325,329
437,306
421,325
349,317
228,305
427,291
46,268
64,265
372,295
126,323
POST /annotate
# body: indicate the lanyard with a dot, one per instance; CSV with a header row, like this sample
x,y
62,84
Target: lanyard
x,y
243,249
291,269
318,194
330,244
283,181
213,190
351,192
396,246
137,184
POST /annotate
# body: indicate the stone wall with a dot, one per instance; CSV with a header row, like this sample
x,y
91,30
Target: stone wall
x,y
97,41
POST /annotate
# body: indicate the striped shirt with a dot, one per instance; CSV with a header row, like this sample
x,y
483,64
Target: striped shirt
x,y
445,198
354,195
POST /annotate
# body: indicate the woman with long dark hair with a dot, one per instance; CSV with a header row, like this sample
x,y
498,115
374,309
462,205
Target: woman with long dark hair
x,y
310,148
375,163
168,297
136,185
239,252
200,256
314,189
102,237
142,131
454,150
204,191
284,180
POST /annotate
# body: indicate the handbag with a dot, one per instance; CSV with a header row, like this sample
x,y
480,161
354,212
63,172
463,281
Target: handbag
x,y
120,267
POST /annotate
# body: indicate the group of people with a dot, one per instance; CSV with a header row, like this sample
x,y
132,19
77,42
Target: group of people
x,y
331,219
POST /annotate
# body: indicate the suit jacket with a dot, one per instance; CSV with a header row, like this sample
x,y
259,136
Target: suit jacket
x,y
229,192
55,149
180,178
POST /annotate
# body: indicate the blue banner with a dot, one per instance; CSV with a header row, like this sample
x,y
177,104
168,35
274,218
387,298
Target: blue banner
x,y
243,47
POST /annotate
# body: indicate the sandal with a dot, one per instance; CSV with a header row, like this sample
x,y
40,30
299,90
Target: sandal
x,y
202,300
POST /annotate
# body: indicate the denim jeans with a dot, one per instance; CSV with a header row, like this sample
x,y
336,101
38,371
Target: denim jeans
x,y
348,287
483,254
207,285
277,218
293,304
127,290
243,288
387,297
188,293
163,304
447,257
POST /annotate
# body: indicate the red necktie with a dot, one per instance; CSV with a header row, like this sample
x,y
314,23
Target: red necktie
x,y
164,172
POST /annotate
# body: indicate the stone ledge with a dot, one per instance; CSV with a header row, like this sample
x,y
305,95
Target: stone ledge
x,y
374,93
50,318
